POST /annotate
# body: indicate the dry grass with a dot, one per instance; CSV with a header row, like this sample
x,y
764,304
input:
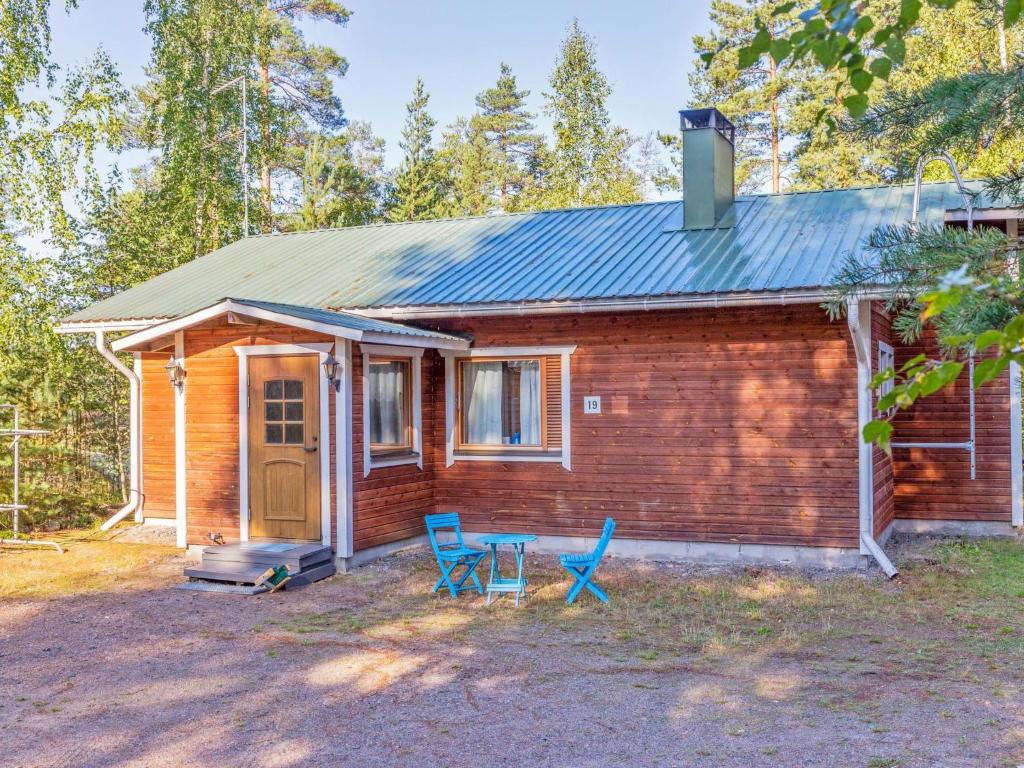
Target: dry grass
x,y
87,565
955,607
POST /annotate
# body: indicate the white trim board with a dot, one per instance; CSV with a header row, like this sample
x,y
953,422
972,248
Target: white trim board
x,y
242,309
415,356
1016,449
321,350
180,454
563,457
343,446
858,317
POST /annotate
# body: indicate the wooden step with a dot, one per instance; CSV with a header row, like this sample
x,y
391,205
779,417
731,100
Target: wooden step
x,y
236,573
297,557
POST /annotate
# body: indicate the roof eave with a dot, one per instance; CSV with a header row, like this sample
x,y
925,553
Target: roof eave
x,y
142,339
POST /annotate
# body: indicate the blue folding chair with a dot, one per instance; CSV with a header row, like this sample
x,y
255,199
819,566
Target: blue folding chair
x,y
454,554
583,566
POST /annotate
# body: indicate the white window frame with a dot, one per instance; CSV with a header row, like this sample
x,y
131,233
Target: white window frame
x,y
415,357
886,359
451,359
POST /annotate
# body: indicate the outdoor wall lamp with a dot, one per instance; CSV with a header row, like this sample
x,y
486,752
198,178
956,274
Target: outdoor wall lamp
x,y
331,367
175,373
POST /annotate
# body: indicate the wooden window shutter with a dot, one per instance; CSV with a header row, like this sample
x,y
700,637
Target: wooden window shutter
x,y
553,397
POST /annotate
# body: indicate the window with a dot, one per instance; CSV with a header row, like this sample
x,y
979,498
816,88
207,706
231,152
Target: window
x,y
283,416
886,360
508,404
390,406
501,403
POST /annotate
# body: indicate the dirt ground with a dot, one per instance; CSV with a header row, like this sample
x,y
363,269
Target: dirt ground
x,y
104,663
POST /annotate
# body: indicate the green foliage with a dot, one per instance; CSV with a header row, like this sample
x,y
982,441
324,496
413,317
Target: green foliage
x,y
589,164
507,128
756,95
50,128
341,180
473,170
419,185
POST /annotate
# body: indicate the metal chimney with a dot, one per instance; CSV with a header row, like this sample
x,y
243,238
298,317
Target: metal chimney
x,y
708,166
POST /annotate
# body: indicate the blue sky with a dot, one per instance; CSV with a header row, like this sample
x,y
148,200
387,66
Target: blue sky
x,y
456,45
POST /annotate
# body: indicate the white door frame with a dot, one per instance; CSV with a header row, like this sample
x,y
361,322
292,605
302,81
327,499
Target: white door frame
x,y
322,350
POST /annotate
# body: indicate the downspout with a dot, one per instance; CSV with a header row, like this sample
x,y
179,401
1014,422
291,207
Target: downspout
x,y
858,317
134,504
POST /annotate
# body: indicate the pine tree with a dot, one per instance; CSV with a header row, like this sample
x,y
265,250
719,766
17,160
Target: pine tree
x,y
419,184
295,84
471,166
507,126
340,180
753,97
590,160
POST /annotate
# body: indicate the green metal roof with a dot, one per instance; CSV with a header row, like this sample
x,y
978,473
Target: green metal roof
x,y
346,320
765,243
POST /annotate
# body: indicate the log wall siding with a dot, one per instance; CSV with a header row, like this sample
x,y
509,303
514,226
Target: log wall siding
x,y
157,438
389,504
211,420
934,484
735,425
884,485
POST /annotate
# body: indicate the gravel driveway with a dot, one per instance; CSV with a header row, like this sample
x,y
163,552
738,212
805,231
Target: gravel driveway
x,y
369,669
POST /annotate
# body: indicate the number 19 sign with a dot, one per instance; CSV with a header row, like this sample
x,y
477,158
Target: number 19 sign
x,y
592,404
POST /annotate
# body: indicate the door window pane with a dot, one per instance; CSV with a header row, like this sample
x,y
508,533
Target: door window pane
x,y
283,412
501,402
388,382
293,434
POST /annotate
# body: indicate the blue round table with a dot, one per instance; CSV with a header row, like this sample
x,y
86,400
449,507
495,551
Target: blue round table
x,y
496,585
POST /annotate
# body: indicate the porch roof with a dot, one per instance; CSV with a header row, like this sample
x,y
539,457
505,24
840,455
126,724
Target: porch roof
x,y
332,323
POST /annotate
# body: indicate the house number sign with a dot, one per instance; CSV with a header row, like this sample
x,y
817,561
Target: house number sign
x,y
592,404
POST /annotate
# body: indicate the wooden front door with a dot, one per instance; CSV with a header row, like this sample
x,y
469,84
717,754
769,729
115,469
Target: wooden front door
x,y
284,447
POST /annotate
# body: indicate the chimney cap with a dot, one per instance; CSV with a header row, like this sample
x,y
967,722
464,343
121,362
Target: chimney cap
x,y
710,117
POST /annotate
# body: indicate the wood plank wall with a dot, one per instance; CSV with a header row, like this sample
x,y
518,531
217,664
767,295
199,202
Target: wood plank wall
x,y
934,484
884,486
157,438
211,420
731,425
389,504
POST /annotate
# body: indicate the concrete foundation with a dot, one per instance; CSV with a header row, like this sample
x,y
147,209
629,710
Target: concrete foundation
x,y
954,528
364,556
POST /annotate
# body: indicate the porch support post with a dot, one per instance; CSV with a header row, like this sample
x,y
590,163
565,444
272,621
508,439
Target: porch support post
x,y
343,449
858,315
135,436
180,480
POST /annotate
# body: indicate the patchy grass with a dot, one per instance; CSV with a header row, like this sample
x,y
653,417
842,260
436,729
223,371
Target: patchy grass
x,y
85,566
953,609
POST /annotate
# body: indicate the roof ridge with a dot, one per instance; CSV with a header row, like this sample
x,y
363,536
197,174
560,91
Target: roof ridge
x,y
484,216
582,208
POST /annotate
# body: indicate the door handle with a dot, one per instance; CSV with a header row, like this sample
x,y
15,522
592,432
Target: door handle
x,y
309,450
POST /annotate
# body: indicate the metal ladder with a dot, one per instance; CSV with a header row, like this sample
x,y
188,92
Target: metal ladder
x,y
16,434
970,445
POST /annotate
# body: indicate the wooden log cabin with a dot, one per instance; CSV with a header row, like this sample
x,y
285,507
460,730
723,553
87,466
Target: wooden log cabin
x,y
668,364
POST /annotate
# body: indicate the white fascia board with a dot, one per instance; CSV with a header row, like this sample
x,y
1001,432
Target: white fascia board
x,y
511,351
649,304
421,342
337,331
107,326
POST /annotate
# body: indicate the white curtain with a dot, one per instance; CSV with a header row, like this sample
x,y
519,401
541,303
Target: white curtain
x,y
483,403
529,402
387,402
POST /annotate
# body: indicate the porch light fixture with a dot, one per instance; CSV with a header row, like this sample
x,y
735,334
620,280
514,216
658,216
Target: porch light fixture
x,y
331,372
175,372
